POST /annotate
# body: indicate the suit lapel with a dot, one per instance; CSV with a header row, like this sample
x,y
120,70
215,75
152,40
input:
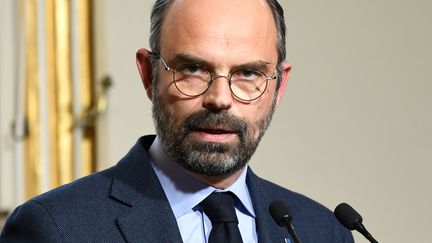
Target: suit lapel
x,y
149,221
267,229
150,218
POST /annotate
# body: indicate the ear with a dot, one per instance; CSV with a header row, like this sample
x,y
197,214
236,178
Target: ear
x,y
286,71
143,62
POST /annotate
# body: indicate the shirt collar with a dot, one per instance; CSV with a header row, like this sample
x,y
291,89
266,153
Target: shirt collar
x,y
184,191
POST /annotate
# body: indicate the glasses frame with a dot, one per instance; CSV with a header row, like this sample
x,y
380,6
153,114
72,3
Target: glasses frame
x,y
213,76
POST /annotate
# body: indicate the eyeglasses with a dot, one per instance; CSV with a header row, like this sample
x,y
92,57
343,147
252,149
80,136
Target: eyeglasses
x,y
194,80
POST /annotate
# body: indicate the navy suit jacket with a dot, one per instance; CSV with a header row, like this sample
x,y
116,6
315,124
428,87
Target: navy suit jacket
x,y
126,203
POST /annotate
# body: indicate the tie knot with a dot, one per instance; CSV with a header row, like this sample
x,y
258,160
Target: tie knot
x,y
219,207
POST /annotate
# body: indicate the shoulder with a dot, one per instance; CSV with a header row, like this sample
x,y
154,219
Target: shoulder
x,y
30,222
45,217
312,220
92,186
295,200
300,204
66,213
96,188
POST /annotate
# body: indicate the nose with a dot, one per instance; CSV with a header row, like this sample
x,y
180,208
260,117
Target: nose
x,y
218,96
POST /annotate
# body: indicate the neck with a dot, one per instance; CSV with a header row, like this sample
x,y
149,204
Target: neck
x,y
219,182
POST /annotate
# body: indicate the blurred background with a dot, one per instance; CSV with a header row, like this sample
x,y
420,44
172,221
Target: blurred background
x,y
355,124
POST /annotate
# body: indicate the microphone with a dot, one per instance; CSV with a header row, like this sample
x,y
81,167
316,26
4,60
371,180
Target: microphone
x,y
352,220
283,217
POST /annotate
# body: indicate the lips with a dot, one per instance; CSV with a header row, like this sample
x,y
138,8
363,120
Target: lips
x,y
215,130
214,134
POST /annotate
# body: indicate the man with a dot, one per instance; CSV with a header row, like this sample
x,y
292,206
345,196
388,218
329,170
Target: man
x,y
215,75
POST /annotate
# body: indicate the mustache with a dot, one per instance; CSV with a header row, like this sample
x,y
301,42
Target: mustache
x,y
222,119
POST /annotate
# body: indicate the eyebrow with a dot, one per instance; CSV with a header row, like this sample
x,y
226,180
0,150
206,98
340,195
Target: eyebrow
x,y
184,58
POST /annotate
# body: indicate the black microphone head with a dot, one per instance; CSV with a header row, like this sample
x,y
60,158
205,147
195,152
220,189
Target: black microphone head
x,y
347,216
280,213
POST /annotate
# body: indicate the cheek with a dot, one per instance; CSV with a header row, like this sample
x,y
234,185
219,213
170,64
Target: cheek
x,y
264,104
254,116
185,106
180,108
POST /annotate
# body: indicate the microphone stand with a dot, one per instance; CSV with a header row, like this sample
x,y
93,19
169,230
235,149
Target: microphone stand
x,y
292,232
360,228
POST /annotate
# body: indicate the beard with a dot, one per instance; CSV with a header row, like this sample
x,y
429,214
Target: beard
x,y
208,158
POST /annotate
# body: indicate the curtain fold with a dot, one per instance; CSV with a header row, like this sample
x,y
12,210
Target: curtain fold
x,y
70,144
33,163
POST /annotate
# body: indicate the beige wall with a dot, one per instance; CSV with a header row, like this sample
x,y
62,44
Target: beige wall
x,y
355,122
122,28
7,75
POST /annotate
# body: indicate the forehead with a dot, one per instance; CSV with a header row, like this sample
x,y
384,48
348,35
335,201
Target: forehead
x,y
220,30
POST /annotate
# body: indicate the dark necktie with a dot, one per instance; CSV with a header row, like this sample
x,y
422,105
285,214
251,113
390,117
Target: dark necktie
x,y
219,208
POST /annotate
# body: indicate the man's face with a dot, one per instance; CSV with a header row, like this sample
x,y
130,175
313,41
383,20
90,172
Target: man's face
x,y
215,133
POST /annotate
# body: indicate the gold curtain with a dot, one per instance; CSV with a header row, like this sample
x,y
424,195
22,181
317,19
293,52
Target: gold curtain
x,y
32,158
62,123
88,148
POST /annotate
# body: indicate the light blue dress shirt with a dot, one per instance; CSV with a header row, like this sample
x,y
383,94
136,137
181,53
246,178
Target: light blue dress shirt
x,y
185,192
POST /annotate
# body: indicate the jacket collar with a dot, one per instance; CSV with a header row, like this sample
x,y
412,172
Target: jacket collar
x,y
267,229
136,185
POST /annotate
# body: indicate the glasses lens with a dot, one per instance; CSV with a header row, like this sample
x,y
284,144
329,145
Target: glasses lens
x,y
191,80
248,85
